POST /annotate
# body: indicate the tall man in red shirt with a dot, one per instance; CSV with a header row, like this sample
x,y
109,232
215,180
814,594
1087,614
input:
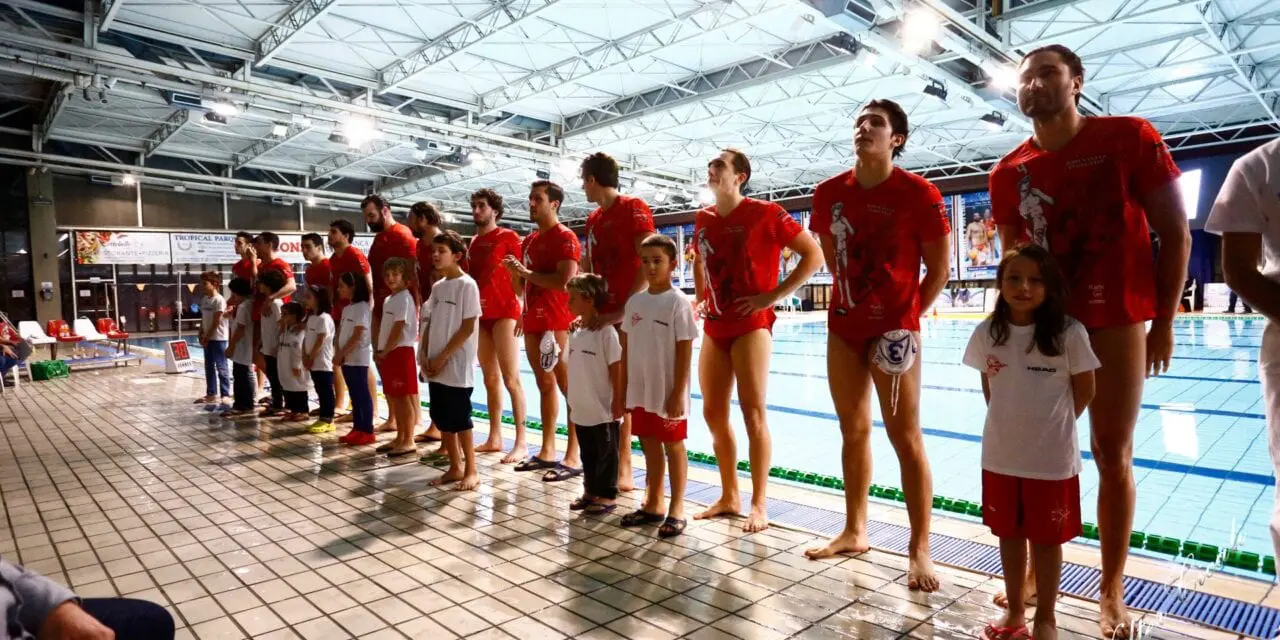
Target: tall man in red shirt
x,y
499,317
393,240
875,223
551,255
1087,189
247,268
424,222
614,233
347,258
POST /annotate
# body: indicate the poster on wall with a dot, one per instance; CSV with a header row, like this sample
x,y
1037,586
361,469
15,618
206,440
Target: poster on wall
x,y
118,247
673,232
204,248
686,256
950,202
979,242
789,260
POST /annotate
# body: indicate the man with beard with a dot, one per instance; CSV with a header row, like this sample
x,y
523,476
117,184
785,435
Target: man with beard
x,y
393,240
424,222
1091,187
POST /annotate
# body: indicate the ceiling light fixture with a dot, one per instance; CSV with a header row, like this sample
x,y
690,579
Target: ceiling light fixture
x,y
661,196
278,130
477,160
359,130
936,89
215,118
224,109
1003,76
128,179
919,29
337,138
180,188
994,120
311,201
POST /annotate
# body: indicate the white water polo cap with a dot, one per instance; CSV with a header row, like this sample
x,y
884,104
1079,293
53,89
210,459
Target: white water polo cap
x,y
895,354
549,351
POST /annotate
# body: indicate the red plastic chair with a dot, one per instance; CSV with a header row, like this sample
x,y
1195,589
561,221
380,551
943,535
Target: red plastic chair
x,y
59,330
108,327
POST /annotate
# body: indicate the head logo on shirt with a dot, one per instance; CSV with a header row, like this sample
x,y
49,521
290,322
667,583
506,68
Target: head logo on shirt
x,y
994,366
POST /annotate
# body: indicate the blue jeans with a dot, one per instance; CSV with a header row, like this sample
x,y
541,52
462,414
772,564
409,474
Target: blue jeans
x,y
7,363
357,378
217,376
130,618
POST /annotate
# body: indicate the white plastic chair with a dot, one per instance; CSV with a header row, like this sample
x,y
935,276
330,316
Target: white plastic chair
x,y
84,328
31,331
791,303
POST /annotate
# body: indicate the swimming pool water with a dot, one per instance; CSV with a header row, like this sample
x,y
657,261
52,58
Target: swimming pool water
x,y
1200,447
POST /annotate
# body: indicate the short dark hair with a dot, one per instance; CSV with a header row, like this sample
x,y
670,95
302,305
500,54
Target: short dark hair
x,y
315,239
359,286
428,211
273,280
240,287
377,201
1069,58
664,242
293,309
602,167
452,240
897,120
269,238
554,192
741,164
212,277
591,286
492,198
345,228
403,266
321,294
248,237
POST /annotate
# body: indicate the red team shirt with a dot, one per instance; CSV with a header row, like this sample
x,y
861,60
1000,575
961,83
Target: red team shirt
x,y
396,241
1082,203
877,236
276,264
319,275
352,260
426,268
497,295
243,269
740,255
611,246
545,309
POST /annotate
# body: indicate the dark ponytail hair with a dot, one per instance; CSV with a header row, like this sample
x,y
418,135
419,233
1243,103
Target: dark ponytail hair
x,y
1050,317
359,286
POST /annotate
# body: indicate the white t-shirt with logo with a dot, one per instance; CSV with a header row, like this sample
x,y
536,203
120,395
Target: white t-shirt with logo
x,y
452,301
320,324
590,386
290,357
209,306
398,307
270,327
244,348
654,323
1031,421
1249,202
354,315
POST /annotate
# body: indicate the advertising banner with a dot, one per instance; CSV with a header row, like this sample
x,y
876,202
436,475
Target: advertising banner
x,y
673,232
363,243
116,247
686,256
204,248
979,242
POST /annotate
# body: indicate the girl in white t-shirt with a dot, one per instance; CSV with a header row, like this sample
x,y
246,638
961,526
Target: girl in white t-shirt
x,y
355,354
240,348
290,368
317,355
1037,376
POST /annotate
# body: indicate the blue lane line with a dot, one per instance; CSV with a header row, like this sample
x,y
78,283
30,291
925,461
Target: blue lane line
x,y
1176,358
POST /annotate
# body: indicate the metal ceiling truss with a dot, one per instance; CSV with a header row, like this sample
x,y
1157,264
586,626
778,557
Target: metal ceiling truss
x,y
504,14
262,147
345,161
710,15
57,103
175,123
1226,38
294,24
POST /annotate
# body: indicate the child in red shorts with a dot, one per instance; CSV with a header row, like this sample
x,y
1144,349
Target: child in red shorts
x,y
658,329
396,356
1037,375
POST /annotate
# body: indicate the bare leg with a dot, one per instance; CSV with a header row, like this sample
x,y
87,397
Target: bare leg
x,y
903,427
750,357
572,456
403,410
1013,557
1049,557
626,475
678,460
1113,414
492,376
654,475
507,349
339,389
390,424
715,378
850,383
466,442
455,471
1001,599
548,394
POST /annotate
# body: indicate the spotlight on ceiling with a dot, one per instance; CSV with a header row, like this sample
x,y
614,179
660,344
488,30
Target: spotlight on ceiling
x,y
180,188
543,174
919,29
278,130
1003,76
215,118
337,138
224,108
311,201
936,89
995,120
477,160
128,179
661,196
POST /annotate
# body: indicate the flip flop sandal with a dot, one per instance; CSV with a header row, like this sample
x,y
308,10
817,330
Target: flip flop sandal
x,y
596,509
992,632
561,473
422,437
536,464
671,527
405,452
640,516
579,504
384,448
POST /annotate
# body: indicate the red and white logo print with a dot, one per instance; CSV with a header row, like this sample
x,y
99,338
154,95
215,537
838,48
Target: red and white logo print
x,y
994,366
635,319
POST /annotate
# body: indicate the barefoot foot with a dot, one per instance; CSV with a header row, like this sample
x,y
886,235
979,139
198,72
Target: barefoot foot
x,y
920,575
1001,599
446,478
490,447
467,483
846,542
757,520
721,508
517,453
1114,619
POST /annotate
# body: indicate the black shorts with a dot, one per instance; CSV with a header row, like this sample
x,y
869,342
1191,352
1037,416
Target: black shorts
x,y
450,407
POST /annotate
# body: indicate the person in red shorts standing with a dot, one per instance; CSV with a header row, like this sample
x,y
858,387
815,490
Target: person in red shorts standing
x,y
424,221
499,317
1088,190
551,255
614,232
346,258
876,222
393,240
737,243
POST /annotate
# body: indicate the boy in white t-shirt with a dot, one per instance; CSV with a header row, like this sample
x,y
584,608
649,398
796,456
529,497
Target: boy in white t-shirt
x,y
657,350
395,357
596,395
240,346
269,326
317,355
213,338
1246,214
447,356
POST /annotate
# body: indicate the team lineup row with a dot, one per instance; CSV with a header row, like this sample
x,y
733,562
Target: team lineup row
x,y
1086,190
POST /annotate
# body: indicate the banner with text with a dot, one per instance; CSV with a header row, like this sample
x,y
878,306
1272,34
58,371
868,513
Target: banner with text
x,y
117,247
979,242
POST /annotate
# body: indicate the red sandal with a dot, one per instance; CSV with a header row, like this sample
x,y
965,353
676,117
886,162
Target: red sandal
x,y
992,632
